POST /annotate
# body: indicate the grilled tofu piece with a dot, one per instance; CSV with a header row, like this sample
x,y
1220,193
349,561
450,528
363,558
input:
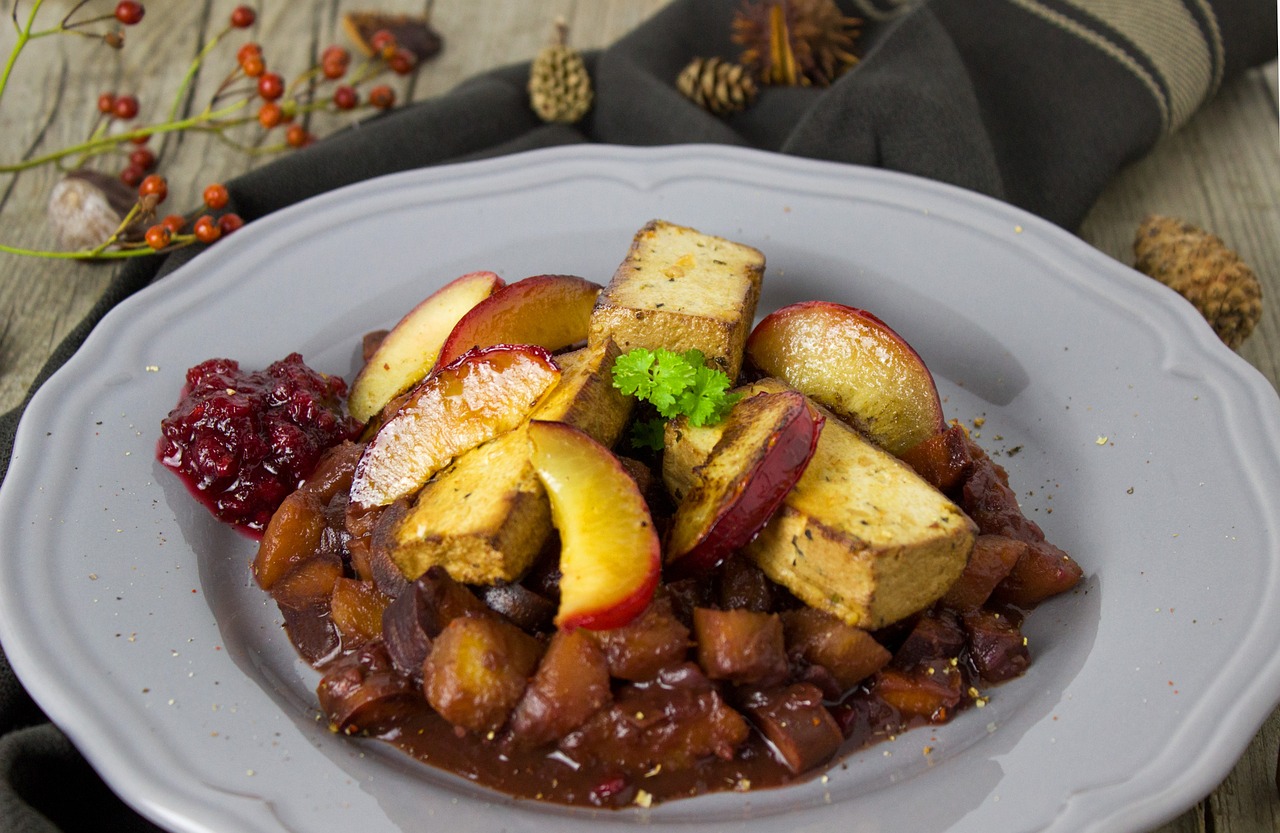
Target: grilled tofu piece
x,y
682,290
487,517
861,535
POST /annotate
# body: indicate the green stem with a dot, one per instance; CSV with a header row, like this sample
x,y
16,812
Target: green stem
x,y
24,35
192,69
206,120
84,254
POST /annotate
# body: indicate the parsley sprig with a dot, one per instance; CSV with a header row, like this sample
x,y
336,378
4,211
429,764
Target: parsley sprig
x,y
675,384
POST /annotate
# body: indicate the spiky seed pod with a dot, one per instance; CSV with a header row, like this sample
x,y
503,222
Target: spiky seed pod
x,y
1200,267
559,84
718,85
796,42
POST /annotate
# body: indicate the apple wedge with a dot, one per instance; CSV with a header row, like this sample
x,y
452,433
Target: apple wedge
x,y
551,311
610,556
410,349
766,445
484,393
848,360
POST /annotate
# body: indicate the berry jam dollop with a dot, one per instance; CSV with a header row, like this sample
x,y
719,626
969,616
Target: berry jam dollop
x,y
242,442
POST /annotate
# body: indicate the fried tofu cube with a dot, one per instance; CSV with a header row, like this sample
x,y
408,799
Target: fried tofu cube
x,y
861,535
682,290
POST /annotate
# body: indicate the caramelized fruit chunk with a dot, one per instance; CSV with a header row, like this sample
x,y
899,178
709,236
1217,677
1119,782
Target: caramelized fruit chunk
x,y
644,646
291,537
936,636
741,585
570,685
930,692
361,692
1043,570
356,608
740,646
476,671
997,648
849,654
992,559
943,459
671,723
800,730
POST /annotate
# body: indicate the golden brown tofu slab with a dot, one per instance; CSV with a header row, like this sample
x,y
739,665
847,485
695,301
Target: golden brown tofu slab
x,y
861,535
487,517
682,290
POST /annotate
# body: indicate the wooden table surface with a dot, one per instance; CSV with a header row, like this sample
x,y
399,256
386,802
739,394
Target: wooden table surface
x,y
1222,171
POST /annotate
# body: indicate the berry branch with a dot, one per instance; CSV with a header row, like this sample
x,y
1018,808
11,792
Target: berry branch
x,y
126,224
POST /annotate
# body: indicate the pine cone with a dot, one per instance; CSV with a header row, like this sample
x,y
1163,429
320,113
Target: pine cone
x,y
796,42
559,84
719,86
1200,267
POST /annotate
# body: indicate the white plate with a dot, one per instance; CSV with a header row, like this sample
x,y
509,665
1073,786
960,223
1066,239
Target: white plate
x,y
1146,449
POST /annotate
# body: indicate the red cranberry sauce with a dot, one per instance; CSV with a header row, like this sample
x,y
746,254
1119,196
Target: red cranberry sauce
x,y
243,441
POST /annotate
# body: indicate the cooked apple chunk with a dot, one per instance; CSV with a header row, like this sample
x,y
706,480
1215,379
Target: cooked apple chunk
x,y
477,671
682,290
486,517
861,535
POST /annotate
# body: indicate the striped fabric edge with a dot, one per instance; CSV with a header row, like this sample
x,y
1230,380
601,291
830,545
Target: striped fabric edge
x,y
1173,48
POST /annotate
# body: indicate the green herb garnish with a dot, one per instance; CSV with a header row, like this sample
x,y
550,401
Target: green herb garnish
x,y
675,384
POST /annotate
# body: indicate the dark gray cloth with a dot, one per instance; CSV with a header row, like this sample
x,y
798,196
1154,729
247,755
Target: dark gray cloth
x,y
1036,102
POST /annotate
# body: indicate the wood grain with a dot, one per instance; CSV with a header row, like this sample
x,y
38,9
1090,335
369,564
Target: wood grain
x,y
1222,171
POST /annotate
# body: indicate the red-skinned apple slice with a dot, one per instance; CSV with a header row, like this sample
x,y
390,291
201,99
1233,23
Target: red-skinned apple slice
x,y
853,363
482,394
410,349
767,443
610,556
551,311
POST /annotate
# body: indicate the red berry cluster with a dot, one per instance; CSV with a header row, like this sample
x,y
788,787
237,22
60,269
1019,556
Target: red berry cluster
x,y
401,61
333,84
205,228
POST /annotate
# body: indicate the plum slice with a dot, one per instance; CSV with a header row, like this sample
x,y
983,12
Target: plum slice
x,y
610,555
551,311
855,364
767,442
